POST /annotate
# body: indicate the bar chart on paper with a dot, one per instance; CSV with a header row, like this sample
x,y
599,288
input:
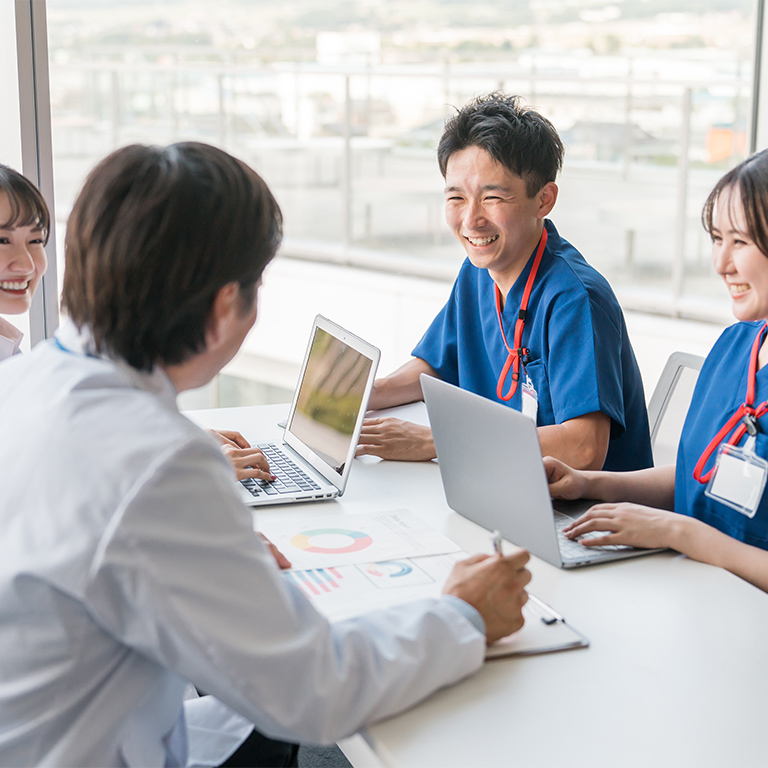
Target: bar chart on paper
x,y
353,589
316,581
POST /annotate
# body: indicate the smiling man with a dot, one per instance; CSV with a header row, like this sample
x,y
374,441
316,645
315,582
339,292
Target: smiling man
x,y
529,322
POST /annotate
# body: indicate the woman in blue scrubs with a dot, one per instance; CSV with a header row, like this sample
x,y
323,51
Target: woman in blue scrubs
x,y
712,505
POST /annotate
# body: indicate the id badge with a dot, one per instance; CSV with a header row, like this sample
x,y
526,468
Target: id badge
x,y
739,479
530,400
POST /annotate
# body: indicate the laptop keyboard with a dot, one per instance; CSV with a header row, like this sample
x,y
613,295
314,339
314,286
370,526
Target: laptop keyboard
x,y
290,478
570,549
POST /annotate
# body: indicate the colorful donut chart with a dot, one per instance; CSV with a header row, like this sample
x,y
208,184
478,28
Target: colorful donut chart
x,y
389,569
360,541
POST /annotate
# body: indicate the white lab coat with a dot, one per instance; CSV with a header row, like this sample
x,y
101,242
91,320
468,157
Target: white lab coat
x,y
128,568
10,339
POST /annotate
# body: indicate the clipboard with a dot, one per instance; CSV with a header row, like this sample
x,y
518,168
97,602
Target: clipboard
x,y
544,631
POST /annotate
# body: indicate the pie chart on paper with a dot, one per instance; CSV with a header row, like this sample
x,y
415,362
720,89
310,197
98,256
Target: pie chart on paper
x,y
329,541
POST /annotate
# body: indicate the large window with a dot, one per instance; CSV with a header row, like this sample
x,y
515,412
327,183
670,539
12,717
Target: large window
x,y
339,105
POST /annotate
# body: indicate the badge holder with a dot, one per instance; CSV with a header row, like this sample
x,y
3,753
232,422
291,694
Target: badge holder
x,y
740,474
530,399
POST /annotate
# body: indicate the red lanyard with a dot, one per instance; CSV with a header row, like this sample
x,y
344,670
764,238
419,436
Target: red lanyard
x,y
746,413
515,353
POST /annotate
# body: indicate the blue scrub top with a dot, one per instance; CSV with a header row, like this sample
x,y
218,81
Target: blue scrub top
x,y
581,360
720,390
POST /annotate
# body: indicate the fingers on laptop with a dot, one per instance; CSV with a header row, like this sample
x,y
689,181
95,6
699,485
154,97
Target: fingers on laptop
x,y
624,523
596,519
564,482
248,462
229,437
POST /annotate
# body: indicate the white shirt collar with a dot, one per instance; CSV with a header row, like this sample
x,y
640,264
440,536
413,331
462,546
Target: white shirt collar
x,y
10,339
80,342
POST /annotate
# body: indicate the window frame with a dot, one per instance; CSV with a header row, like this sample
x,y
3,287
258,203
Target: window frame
x,y
36,146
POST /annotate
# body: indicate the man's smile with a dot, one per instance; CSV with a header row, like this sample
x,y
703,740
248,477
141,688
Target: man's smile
x,y
479,241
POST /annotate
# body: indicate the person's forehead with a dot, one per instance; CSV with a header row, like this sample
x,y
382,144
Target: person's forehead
x,y
474,164
730,210
5,207
6,211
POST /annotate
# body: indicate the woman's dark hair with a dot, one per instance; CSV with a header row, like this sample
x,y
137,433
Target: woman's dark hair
x,y
751,177
516,136
154,234
28,207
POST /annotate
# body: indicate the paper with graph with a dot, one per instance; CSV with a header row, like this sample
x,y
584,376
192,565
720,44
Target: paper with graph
x,y
349,590
338,564
324,542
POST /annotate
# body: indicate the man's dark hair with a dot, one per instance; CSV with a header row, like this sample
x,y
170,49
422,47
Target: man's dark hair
x,y
751,178
153,235
516,136
28,207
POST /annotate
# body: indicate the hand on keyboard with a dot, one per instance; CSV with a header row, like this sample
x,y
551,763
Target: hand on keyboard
x,y
249,462
287,478
573,547
624,524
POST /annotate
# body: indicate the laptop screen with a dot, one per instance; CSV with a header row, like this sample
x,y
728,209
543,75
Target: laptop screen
x,y
330,398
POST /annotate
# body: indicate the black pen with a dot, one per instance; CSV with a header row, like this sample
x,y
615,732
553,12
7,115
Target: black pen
x,y
496,541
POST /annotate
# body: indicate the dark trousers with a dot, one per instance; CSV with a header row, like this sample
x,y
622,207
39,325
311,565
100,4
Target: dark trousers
x,y
259,751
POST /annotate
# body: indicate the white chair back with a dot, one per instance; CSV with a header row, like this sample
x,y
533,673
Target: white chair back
x,y
669,405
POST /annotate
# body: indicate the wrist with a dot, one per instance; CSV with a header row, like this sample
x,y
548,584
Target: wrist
x,y
606,486
468,611
596,485
430,447
688,535
424,445
383,394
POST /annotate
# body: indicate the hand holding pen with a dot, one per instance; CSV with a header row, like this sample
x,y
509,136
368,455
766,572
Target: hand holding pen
x,y
495,587
538,607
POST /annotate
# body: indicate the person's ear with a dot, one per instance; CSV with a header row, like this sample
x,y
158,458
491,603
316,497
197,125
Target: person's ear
x,y
547,198
225,310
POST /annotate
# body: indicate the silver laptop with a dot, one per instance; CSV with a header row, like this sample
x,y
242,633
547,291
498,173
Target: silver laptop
x,y
315,456
492,472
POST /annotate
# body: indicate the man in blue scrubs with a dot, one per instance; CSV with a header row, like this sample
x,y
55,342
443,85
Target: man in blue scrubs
x,y
529,323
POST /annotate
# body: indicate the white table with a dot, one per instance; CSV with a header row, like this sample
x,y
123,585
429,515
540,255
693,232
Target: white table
x,y
676,674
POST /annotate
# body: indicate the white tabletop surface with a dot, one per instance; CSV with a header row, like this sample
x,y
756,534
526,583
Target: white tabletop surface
x,y
676,673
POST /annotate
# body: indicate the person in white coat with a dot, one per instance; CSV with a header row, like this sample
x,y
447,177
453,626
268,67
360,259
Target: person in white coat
x,y
128,566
